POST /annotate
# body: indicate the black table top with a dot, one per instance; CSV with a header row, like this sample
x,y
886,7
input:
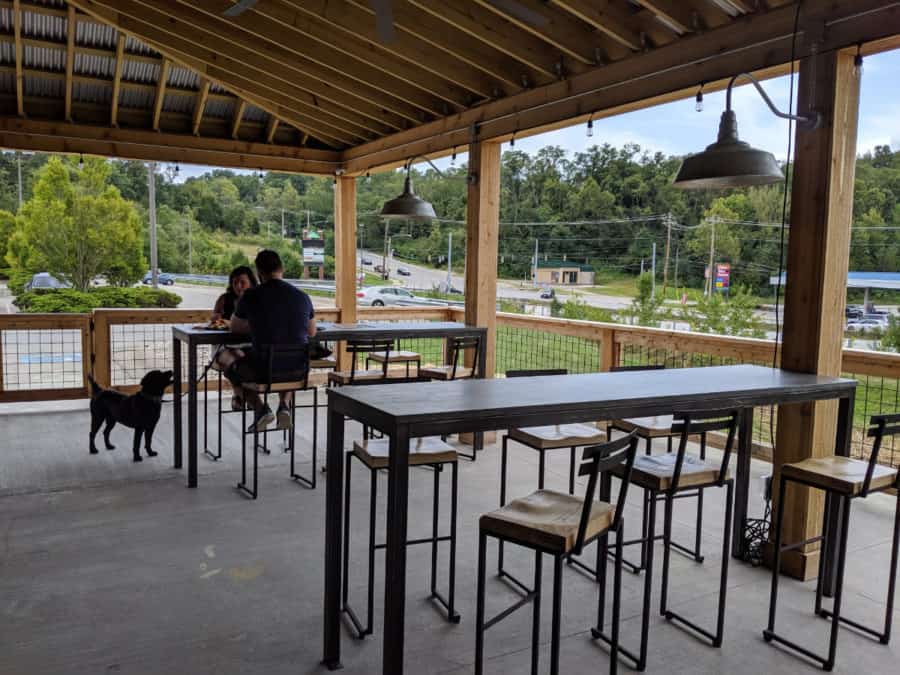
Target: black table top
x,y
327,330
664,390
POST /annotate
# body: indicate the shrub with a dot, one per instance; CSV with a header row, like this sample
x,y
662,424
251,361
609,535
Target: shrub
x,y
71,300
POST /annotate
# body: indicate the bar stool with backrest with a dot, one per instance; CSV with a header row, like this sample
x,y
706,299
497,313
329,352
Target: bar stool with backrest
x,y
374,454
843,479
670,475
277,382
648,429
398,355
457,347
560,524
363,348
542,439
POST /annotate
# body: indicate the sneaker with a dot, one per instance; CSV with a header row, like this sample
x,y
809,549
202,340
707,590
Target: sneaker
x,y
262,420
284,418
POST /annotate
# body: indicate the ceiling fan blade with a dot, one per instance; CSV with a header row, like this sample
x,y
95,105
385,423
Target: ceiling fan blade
x,y
239,8
520,12
384,20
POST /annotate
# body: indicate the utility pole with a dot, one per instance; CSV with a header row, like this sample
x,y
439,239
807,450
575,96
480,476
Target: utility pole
x,y
190,246
642,267
666,258
677,248
151,200
712,254
534,267
384,254
283,233
19,164
449,260
653,272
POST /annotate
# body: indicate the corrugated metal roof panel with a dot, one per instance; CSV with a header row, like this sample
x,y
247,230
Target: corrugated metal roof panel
x,y
95,65
43,27
7,52
40,86
7,82
181,103
91,92
215,88
134,46
140,71
254,114
6,19
217,107
44,58
183,78
99,35
130,97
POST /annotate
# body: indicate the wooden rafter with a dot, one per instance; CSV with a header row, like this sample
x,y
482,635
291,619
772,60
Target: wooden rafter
x,y
234,68
200,106
71,21
678,13
565,33
271,128
117,79
28,134
636,31
20,57
160,94
238,117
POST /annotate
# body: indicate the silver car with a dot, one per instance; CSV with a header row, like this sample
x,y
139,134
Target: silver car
x,y
379,296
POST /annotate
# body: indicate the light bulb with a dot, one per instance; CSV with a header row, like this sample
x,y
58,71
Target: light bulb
x,y
80,160
698,106
453,158
512,141
590,128
857,65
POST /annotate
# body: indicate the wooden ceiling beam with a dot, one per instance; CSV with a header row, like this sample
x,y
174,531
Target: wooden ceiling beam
x,y
318,125
759,43
26,134
274,57
117,80
676,12
271,128
636,31
159,96
565,33
233,61
238,117
477,54
200,106
71,23
359,25
483,25
20,57
361,71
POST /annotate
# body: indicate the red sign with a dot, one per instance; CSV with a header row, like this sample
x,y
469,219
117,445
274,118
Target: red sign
x,y
723,276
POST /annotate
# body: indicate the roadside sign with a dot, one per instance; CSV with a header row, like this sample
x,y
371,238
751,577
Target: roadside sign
x,y
723,277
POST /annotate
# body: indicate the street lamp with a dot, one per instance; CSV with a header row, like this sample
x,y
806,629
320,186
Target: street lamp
x,y
388,251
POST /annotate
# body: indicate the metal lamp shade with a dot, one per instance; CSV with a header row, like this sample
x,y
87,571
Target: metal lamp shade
x,y
728,163
408,206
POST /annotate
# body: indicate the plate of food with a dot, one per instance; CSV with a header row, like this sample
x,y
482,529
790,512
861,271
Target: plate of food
x,y
214,324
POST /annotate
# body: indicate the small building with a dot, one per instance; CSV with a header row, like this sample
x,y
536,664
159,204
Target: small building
x,y
564,272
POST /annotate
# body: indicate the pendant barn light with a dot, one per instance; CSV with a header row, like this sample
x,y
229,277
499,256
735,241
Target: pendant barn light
x,y
730,162
409,206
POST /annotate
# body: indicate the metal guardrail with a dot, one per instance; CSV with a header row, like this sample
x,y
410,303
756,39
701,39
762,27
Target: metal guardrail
x,y
217,279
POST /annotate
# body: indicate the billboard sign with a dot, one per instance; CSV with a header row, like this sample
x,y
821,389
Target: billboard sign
x,y
313,247
723,277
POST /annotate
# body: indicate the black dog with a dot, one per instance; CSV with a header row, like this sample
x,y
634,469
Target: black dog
x,y
139,411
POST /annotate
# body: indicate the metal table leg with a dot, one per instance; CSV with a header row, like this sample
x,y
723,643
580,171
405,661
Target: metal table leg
x,y
334,478
843,437
395,561
742,482
176,398
192,415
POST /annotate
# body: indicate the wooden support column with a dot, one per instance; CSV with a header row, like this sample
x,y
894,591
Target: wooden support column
x,y
345,254
817,262
482,229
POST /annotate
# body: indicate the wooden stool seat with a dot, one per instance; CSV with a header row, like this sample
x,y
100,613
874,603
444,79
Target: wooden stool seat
x,y
658,426
394,357
446,372
655,472
290,385
343,377
546,519
841,474
558,436
375,453
327,362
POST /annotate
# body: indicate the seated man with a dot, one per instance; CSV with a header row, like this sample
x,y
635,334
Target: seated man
x,y
273,313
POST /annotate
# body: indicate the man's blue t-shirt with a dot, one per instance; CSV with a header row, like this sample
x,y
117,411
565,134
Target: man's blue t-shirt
x,y
278,314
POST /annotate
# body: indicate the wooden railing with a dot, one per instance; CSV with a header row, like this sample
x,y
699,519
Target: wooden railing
x,y
45,357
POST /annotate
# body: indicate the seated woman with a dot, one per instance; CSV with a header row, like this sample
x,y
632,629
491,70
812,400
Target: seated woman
x,y
240,279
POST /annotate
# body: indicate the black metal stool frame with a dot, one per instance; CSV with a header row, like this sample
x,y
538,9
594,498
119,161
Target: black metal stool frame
x,y
878,431
686,425
448,602
455,347
598,460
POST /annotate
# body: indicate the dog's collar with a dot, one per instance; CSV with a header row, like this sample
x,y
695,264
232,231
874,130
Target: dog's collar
x,y
155,399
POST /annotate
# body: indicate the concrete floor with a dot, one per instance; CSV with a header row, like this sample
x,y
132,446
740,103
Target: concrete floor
x,y
107,566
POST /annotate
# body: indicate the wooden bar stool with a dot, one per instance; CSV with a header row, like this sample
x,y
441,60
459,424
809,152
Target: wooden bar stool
x,y
560,524
396,356
669,475
454,371
362,348
843,479
542,439
374,455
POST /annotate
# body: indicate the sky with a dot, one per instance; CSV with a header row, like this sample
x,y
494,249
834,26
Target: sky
x,y
677,129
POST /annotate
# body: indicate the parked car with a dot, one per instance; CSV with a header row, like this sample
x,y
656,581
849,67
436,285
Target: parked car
x,y
548,294
861,325
854,312
161,277
366,261
45,281
379,268
403,272
881,317
378,296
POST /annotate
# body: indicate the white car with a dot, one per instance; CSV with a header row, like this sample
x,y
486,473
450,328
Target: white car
x,y
861,325
379,296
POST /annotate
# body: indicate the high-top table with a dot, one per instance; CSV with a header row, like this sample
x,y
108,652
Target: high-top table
x,y
406,411
326,332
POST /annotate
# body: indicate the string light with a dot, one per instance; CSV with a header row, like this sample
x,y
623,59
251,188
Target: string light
x,y
858,62
512,141
698,106
368,177
80,160
453,157
590,125
177,169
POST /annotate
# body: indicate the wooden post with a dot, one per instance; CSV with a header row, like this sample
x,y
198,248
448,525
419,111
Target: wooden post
x,y
609,351
345,254
818,258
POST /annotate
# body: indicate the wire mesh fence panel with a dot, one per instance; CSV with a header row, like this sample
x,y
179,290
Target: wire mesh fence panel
x,y
42,359
875,395
525,349
136,349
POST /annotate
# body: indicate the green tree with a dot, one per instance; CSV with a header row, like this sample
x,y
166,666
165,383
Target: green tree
x,y
645,308
77,225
